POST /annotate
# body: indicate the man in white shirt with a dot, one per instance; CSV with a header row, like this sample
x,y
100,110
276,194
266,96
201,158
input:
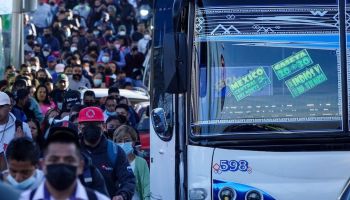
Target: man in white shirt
x,y
61,165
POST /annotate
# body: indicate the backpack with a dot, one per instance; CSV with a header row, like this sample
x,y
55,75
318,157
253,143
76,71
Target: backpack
x,y
90,193
112,151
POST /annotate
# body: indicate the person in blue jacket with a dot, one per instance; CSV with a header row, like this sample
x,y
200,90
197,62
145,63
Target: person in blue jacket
x,y
107,156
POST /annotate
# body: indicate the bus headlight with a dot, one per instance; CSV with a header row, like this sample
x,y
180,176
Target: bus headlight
x,y
227,193
253,195
197,194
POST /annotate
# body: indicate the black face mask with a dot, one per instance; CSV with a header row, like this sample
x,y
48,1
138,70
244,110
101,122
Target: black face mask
x,y
42,80
47,35
110,132
77,76
61,176
92,136
88,104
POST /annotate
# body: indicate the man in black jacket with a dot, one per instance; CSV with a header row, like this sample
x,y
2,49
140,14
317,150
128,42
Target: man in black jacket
x,y
107,156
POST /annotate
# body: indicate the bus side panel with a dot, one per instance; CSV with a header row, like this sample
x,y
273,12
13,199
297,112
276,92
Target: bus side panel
x,y
281,175
162,167
199,169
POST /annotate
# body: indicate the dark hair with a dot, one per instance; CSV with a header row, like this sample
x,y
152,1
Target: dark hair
x,y
89,93
40,138
111,98
62,136
113,89
46,100
23,149
122,119
23,66
124,106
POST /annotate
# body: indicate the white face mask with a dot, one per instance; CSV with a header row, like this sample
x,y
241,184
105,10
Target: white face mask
x,y
105,59
34,68
46,53
97,82
96,33
147,37
26,184
73,49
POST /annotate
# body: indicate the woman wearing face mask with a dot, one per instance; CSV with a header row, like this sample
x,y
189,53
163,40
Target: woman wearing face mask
x,y
126,137
98,80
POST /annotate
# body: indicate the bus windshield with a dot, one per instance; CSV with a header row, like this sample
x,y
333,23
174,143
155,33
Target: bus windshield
x,y
266,69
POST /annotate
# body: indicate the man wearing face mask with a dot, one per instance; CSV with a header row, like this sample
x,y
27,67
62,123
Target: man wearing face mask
x,y
111,103
111,53
51,40
108,157
22,156
89,98
62,164
58,93
77,80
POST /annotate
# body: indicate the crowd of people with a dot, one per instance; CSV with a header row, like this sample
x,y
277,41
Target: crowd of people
x,y
55,145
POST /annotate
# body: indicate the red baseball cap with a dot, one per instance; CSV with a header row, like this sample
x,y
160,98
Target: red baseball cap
x,y
91,114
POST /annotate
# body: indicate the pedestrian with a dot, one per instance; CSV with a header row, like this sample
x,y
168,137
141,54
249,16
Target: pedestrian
x,y
10,127
111,103
113,122
126,137
62,164
91,176
22,156
108,157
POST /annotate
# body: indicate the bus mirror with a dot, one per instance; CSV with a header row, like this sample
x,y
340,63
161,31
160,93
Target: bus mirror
x,y
175,62
159,123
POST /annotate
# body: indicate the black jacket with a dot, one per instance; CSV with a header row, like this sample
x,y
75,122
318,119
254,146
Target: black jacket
x,y
119,178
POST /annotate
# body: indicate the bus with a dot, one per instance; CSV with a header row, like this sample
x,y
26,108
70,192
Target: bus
x,y
250,100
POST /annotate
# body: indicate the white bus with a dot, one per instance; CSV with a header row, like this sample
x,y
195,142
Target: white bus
x,y
249,100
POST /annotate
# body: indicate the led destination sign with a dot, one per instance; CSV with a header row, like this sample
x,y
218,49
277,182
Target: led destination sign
x,y
292,64
250,83
306,80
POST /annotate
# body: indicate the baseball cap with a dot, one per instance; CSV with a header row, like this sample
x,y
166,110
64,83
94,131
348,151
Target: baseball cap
x,y
47,47
51,59
63,131
4,99
71,98
65,126
91,114
61,77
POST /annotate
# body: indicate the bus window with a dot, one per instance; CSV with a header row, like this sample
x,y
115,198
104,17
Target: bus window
x,y
266,69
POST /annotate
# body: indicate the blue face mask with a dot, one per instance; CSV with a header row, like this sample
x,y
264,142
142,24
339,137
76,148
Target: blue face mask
x,y
22,185
110,113
127,147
